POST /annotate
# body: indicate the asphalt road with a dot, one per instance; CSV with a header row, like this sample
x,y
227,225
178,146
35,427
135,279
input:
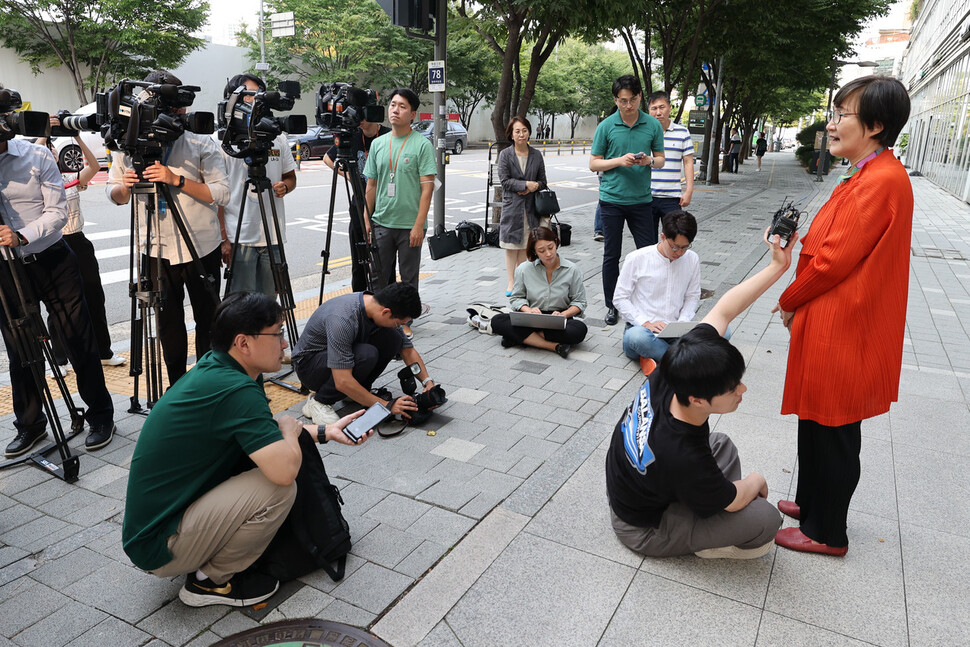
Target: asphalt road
x,y
108,225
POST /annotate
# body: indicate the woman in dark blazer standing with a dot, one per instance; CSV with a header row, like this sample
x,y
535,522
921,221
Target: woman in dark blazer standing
x,y
522,172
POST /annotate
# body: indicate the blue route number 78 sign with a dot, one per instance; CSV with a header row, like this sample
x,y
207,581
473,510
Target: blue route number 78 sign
x,y
436,76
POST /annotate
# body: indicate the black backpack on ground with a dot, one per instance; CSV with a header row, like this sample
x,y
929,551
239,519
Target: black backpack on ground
x,y
315,534
470,235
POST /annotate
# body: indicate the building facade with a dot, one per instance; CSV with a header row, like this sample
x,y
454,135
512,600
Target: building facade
x,y
936,71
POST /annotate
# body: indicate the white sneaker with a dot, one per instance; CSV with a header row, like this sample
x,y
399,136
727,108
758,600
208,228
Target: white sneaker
x,y
65,369
114,360
733,552
319,413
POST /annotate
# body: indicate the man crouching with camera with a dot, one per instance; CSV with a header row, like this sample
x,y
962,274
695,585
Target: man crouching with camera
x,y
187,510
347,344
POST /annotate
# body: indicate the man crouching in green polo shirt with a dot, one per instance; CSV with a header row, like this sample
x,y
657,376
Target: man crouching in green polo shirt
x,y
187,511
626,145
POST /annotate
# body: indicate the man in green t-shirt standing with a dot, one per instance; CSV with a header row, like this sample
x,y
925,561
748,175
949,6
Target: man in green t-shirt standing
x,y
626,145
187,510
400,174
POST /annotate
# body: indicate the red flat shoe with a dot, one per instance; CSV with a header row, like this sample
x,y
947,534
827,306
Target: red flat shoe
x,y
791,509
795,539
647,365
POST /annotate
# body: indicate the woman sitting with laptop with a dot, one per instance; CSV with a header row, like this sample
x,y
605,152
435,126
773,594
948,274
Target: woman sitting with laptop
x,y
545,284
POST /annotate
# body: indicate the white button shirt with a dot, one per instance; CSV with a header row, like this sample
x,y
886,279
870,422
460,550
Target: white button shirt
x,y
651,287
198,158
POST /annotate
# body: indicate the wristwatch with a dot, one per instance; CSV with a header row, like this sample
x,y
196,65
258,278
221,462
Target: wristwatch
x,y
425,381
181,181
321,434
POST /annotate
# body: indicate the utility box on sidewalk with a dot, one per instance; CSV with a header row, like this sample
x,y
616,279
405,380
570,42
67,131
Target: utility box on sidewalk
x,y
813,167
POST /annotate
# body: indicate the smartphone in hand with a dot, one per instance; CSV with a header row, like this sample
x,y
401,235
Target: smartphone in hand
x,y
358,427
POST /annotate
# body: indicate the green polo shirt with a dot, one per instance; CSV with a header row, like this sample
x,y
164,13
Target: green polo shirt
x,y
411,156
613,138
193,439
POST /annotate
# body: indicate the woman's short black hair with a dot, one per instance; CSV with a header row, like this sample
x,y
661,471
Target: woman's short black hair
x,y
679,222
240,79
402,299
701,364
537,234
517,120
408,95
245,313
882,101
627,82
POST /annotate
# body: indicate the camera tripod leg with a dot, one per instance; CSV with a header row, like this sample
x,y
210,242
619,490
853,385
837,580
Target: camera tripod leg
x,y
31,350
279,269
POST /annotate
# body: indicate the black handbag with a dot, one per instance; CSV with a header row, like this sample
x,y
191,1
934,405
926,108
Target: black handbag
x,y
546,203
564,231
444,244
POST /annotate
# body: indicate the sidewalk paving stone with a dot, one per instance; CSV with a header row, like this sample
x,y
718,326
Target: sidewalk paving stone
x,y
506,502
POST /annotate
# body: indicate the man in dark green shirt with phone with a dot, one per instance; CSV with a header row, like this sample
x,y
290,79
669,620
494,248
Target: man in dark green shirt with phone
x,y
189,509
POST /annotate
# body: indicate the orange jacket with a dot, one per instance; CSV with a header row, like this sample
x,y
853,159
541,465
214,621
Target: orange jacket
x,y
849,299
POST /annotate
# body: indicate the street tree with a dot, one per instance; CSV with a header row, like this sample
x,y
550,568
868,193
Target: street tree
x,y
537,27
101,41
472,76
342,40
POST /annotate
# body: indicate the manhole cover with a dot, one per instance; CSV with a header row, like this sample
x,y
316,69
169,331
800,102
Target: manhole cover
x,y
309,632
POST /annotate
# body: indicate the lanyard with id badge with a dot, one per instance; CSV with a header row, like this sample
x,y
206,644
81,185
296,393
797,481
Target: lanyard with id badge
x,y
394,162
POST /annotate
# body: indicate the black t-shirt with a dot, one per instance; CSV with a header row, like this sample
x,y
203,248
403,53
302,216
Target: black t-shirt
x,y
360,145
655,459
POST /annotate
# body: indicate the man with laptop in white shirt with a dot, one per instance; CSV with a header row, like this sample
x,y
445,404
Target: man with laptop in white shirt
x,y
659,284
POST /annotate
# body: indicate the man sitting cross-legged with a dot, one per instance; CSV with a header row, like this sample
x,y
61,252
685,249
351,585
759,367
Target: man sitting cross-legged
x,y
657,285
675,488
187,509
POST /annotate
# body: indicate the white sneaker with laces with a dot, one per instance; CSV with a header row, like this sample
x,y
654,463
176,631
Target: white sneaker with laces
x,y
114,360
319,413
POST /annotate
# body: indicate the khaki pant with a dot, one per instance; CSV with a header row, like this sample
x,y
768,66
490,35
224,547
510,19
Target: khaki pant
x,y
228,528
682,532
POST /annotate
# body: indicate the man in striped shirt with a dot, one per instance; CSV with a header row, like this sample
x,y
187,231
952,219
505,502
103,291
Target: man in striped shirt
x,y
679,149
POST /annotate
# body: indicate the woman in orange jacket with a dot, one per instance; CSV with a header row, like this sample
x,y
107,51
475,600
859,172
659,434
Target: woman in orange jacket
x,y
846,311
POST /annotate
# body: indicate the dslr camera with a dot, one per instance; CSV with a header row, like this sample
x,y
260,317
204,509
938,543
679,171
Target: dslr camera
x,y
426,400
785,223
28,123
341,107
247,126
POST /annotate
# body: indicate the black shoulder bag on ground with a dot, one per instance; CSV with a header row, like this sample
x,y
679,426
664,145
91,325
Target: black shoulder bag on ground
x,y
443,244
471,235
315,534
564,230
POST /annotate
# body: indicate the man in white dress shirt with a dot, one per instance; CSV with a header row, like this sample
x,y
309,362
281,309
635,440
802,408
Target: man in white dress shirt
x,y
657,285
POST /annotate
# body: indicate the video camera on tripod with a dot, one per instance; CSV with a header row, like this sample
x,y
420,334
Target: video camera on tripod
x,y
341,107
248,127
28,123
139,118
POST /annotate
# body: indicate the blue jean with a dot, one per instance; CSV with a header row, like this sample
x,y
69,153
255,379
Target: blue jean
x,y
639,342
639,218
598,221
252,271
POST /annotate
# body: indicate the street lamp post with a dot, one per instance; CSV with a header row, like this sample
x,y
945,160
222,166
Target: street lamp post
x,y
836,64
